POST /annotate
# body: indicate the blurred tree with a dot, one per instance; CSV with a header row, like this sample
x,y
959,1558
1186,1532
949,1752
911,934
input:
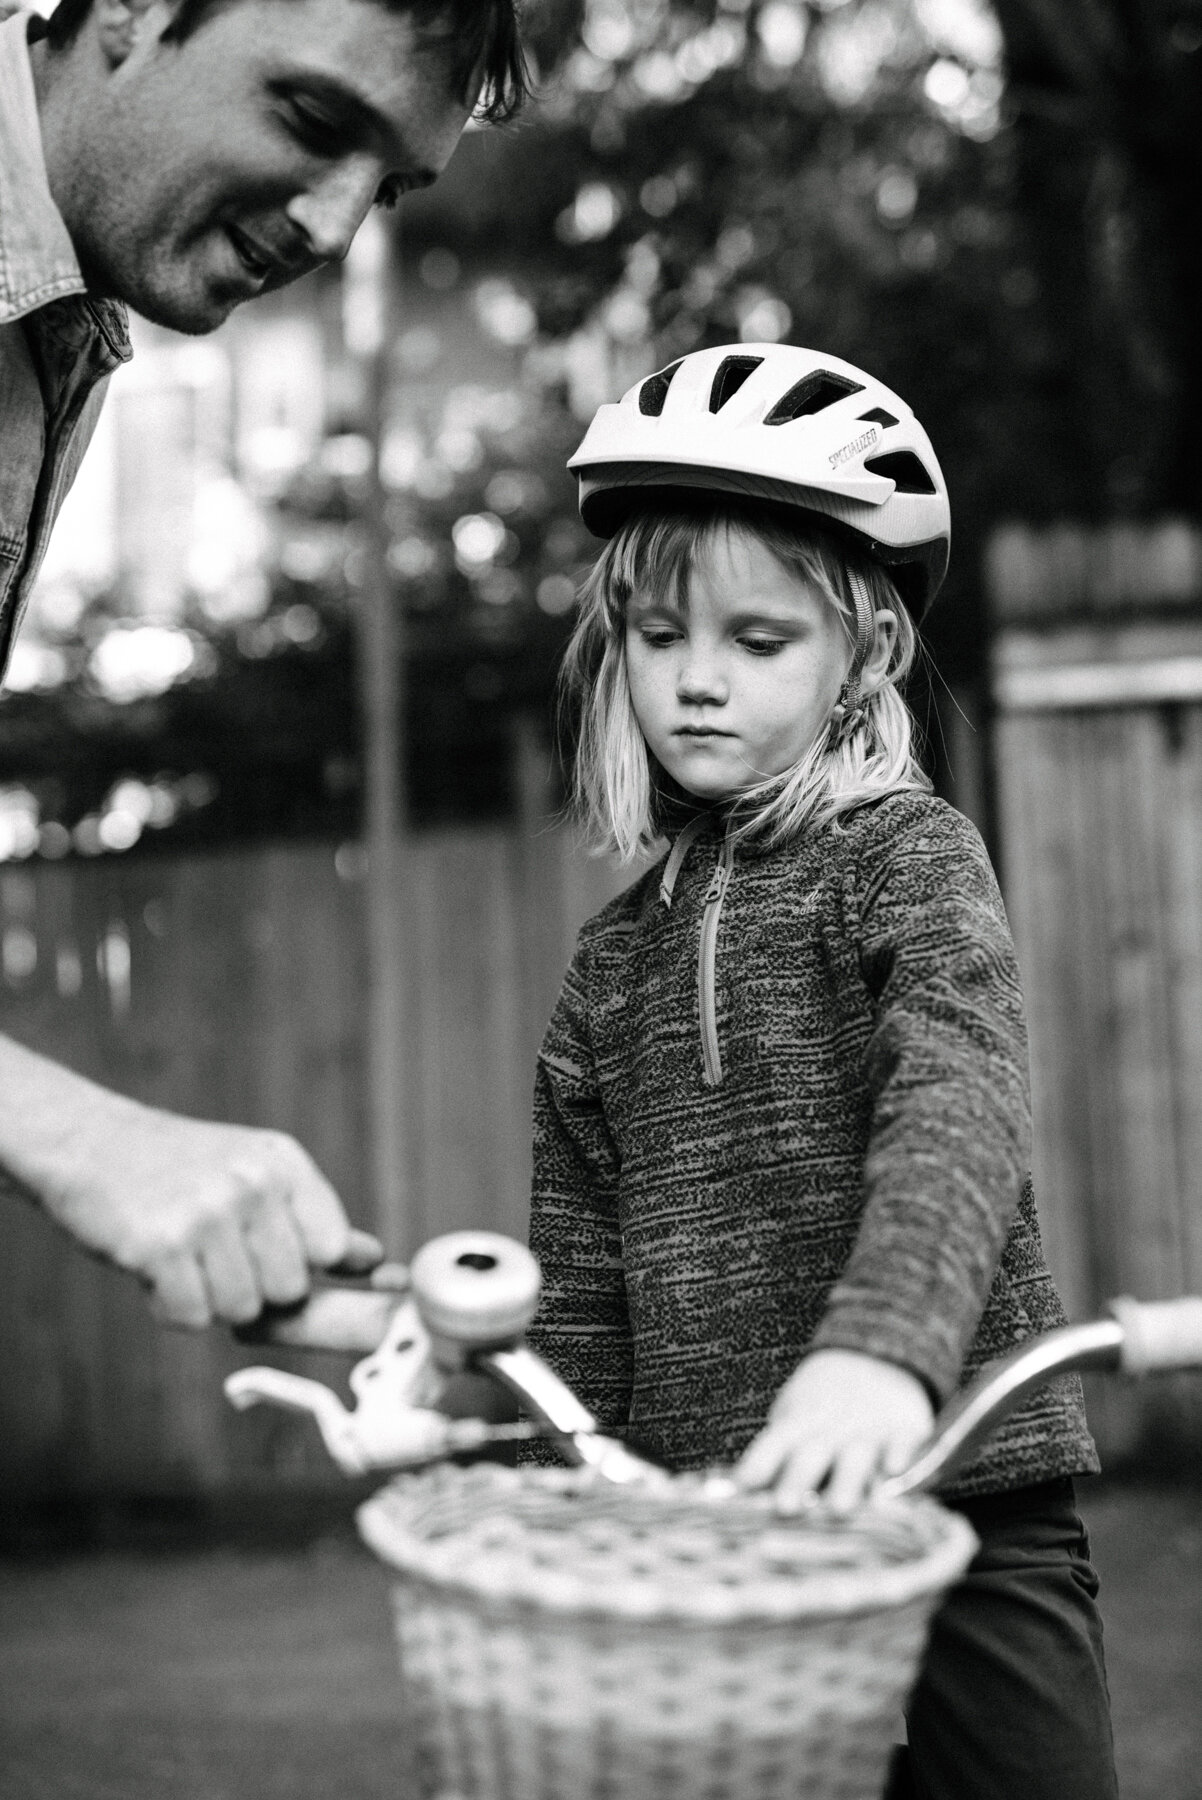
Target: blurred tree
x,y
213,730
993,207
835,174
1106,97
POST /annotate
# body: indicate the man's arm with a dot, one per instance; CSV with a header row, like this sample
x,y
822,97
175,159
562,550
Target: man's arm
x,y
216,1220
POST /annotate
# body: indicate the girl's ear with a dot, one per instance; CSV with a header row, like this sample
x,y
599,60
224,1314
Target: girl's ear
x,y
876,664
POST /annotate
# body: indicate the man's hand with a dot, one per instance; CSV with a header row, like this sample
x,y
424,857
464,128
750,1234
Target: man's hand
x,y
841,1422
216,1220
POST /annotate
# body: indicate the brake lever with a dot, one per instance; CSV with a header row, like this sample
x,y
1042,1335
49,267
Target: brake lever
x,y
472,1296
397,1421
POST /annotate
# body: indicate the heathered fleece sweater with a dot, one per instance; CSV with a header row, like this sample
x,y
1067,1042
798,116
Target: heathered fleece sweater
x,y
783,1104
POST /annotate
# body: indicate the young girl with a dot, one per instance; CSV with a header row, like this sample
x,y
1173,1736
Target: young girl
x,y
782,1116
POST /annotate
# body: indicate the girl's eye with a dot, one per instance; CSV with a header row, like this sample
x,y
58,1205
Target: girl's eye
x,y
762,646
659,637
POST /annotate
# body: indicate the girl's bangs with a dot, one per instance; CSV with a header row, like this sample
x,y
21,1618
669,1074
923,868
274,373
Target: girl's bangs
x,y
657,553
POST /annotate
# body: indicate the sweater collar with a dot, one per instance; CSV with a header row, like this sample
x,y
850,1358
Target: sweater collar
x,y
680,849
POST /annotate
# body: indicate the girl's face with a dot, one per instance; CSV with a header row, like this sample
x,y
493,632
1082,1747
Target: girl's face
x,y
733,686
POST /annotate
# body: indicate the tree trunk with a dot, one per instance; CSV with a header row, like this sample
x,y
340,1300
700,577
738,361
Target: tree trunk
x,y
1108,104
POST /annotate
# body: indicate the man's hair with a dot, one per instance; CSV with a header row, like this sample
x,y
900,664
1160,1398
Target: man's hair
x,y
623,797
482,37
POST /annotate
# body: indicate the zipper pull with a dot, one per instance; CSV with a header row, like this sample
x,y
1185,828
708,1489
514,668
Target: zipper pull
x,y
718,881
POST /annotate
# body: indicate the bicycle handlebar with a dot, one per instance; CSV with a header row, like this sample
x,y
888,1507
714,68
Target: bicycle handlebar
x,y
475,1292
1140,1338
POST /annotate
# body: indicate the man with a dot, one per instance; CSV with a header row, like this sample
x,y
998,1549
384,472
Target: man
x,y
181,156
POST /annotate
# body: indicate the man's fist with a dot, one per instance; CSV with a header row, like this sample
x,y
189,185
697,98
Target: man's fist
x,y
216,1220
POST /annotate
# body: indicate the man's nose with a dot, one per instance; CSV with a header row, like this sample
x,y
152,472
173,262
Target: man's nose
x,y
330,212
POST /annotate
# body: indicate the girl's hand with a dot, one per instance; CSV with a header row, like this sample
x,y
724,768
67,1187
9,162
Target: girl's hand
x,y
841,1422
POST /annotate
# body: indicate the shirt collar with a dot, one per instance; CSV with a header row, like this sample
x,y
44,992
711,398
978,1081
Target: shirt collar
x,y
37,260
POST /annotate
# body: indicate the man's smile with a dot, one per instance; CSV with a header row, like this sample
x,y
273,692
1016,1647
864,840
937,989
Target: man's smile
x,y
259,262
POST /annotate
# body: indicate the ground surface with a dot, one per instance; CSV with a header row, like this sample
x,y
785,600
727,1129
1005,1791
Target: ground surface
x,y
268,1675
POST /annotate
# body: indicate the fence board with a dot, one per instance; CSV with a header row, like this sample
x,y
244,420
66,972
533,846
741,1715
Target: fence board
x,y
235,985
1101,826
1097,675
1184,902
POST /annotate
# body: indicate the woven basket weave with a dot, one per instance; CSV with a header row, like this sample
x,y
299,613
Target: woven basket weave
x,y
565,1639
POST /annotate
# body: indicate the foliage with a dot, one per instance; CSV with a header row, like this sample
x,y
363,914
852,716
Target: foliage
x,y
832,175
1004,227
1106,98
213,730
997,211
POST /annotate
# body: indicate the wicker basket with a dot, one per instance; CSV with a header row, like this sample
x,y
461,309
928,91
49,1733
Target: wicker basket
x,y
565,1639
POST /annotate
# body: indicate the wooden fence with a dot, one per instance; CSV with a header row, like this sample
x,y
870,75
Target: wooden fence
x,y
234,986
1098,753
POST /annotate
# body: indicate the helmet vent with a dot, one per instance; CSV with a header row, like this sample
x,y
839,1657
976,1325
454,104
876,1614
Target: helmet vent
x,y
812,395
903,467
730,377
654,390
878,416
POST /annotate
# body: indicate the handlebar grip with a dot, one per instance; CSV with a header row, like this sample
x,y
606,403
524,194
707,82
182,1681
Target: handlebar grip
x,y
1159,1334
350,1320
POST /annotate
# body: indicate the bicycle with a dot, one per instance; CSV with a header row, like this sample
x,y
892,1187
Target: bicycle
x,y
608,1630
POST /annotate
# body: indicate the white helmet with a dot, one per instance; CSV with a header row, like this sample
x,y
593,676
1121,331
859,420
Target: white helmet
x,y
774,422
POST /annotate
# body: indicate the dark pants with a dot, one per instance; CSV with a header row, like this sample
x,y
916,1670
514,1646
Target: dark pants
x,y
1012,1703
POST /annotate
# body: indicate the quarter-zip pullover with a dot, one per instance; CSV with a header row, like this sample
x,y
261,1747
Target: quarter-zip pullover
x,y
783,1104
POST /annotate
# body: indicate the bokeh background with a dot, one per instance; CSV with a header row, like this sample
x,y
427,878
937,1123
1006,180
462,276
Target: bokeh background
x,y
280,780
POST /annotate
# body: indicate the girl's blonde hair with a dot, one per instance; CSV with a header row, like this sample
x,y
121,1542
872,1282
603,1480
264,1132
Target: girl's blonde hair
x,y
623,795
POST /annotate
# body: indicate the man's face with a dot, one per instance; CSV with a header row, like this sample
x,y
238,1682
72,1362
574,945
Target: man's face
x,y
211,170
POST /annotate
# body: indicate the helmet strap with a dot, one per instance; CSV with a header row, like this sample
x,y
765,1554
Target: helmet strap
x,y
851,708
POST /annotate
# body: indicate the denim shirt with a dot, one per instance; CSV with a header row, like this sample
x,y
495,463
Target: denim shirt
x,y
58,346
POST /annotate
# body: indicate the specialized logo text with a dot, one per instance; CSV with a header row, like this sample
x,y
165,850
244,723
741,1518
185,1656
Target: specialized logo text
x,y
849,450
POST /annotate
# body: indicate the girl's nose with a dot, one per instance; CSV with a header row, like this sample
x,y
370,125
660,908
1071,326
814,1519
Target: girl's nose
x,y
331,211
701,681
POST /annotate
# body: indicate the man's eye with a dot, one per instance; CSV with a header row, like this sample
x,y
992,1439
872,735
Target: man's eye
x,y
316,129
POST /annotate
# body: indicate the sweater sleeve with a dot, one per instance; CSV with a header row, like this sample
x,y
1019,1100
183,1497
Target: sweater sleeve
x,y
946,1066
582,1325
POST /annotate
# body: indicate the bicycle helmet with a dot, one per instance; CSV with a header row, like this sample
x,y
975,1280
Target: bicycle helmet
x,y
774,422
